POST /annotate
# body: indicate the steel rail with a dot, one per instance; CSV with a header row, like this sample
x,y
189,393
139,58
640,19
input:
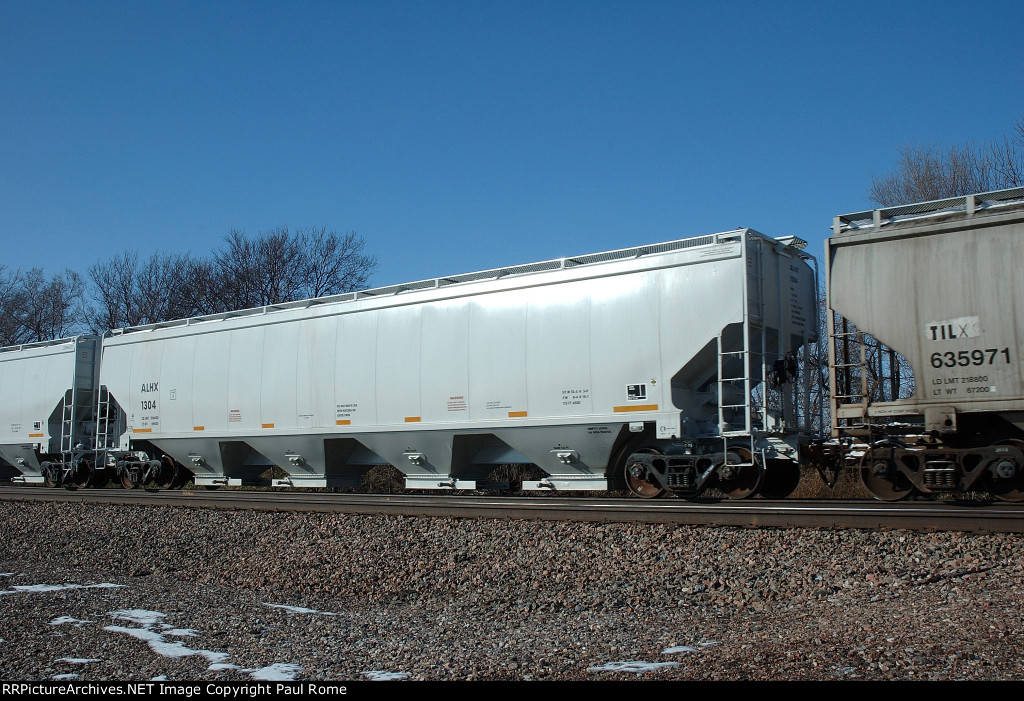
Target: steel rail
x,y
997,517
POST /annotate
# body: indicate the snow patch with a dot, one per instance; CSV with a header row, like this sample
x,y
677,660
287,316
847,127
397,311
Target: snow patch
x,y
154,632
61,620
688,648
300,609
632,666
278,672
379,676
41,588
180,632
143,617
155,638
174,650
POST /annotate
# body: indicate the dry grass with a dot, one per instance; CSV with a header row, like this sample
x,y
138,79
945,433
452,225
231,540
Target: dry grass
x,y
382,479
812,486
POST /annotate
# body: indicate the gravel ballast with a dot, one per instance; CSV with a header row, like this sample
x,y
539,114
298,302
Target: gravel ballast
x,y
243,595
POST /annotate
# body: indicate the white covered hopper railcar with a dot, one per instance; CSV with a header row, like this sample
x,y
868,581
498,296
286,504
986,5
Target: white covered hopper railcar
x,y
47,405
643,366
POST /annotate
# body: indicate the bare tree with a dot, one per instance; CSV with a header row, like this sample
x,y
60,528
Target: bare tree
x,y
275,266
113,290
201,280
926,173
11,302
279,266
43,309
128,292
253,272
335,264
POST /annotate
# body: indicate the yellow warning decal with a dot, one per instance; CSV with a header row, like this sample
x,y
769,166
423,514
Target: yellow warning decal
x,y
637,407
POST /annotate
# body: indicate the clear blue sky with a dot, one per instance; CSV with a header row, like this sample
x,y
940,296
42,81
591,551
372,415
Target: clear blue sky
x,y
459,136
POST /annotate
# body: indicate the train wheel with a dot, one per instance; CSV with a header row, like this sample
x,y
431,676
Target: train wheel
x,y
167,475
49,478
741,476
880,476
82,475
781,478
182,478
126,479
1004,479
638,483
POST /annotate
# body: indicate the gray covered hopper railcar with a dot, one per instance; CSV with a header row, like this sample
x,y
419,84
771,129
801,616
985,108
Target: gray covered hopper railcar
x,y
936,289
642,366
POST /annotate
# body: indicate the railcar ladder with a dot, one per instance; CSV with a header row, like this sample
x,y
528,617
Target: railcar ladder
x,y
103,419
849,378
748,357
74,415
67,424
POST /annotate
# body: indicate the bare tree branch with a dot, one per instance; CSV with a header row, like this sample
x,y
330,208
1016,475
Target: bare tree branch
x,y
279,266
129,293
37,309
275,266
924,173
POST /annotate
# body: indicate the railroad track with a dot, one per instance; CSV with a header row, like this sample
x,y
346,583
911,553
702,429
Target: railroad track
x,y
996,517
